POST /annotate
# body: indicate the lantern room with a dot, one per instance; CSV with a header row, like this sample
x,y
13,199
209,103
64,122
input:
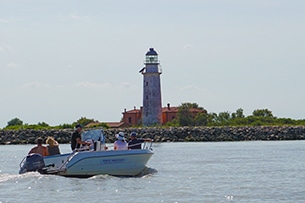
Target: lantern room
x,y
151,57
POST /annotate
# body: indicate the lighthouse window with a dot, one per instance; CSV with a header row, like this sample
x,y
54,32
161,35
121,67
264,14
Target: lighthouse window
x,y
151,59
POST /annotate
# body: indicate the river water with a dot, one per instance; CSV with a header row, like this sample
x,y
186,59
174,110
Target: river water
x,y
254,171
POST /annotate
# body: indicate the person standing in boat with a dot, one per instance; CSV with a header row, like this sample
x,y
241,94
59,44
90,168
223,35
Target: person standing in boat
x,y
76,139
135,143
53,147
120,144
39,149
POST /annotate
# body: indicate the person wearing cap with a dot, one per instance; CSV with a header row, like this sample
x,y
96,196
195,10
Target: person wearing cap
x,y
120,143
135,143
39,149
76,139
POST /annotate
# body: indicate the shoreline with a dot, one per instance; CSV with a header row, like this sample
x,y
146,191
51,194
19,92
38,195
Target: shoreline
x,y
170,134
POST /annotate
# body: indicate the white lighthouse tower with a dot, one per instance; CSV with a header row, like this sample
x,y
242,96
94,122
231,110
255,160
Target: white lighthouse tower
x,y
152,107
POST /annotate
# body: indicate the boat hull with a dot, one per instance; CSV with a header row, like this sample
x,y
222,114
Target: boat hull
x,y
90,163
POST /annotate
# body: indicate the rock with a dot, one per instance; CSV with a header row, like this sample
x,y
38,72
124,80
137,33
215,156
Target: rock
x,y
171,134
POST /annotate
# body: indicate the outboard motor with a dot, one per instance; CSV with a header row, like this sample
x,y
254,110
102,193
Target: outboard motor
x,y
33,162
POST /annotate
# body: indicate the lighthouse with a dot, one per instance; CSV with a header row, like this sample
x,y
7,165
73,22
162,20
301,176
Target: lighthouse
x,y
152,107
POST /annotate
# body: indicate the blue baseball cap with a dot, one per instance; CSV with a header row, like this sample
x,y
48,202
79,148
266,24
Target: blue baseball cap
x,y
78,126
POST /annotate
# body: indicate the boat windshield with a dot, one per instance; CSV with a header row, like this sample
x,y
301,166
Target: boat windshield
x,y
95,135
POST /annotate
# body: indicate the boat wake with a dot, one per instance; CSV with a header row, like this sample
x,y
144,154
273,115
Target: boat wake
x,y
145,173
16,177
101,177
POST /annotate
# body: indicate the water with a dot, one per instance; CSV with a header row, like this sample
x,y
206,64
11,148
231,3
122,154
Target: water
x,y
261,171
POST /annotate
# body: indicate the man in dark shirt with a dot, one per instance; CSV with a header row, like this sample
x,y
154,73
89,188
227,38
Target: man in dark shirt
x,y
76,139
135,143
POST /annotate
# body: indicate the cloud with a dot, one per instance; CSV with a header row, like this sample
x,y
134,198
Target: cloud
x,y
93,85
3,20
35,85
189,87
13,65
106,86
126,85
187,46
5,48
76,16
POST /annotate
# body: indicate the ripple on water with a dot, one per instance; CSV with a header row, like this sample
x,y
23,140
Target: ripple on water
x,y
16,177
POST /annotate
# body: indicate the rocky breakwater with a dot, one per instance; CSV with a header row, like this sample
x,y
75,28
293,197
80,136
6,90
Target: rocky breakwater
x,y
171,134
29,136
217,134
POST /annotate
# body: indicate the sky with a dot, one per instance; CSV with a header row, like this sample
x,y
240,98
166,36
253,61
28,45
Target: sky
x,y
61,60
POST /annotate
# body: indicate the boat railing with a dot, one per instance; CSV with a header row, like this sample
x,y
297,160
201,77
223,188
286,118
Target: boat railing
x,y
22,162
62,167
147,145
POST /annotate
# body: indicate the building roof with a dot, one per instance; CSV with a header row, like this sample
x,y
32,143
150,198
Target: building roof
x,y
118,124
171,109
135,111
166,109
110,124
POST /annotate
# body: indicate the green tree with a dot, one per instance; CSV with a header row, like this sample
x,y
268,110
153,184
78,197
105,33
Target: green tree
x,y
191,106
237,118
43,124
223,118
83,121
173,123
64,126
240,113
262,113
186,118
201,119
15,122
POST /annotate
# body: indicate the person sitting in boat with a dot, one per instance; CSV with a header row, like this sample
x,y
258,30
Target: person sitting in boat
x,y
53,147
135,143
120,144
76,139
39,149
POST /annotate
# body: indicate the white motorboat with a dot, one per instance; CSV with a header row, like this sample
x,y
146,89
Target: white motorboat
x,y
90,161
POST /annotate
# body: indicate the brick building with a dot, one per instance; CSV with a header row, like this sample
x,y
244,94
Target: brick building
x,y
134,117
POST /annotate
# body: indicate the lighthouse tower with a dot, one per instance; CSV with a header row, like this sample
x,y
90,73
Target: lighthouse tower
x,y
152,107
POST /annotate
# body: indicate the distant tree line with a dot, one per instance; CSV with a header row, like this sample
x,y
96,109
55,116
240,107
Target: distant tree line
x,y
185,117
259,117
17,124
